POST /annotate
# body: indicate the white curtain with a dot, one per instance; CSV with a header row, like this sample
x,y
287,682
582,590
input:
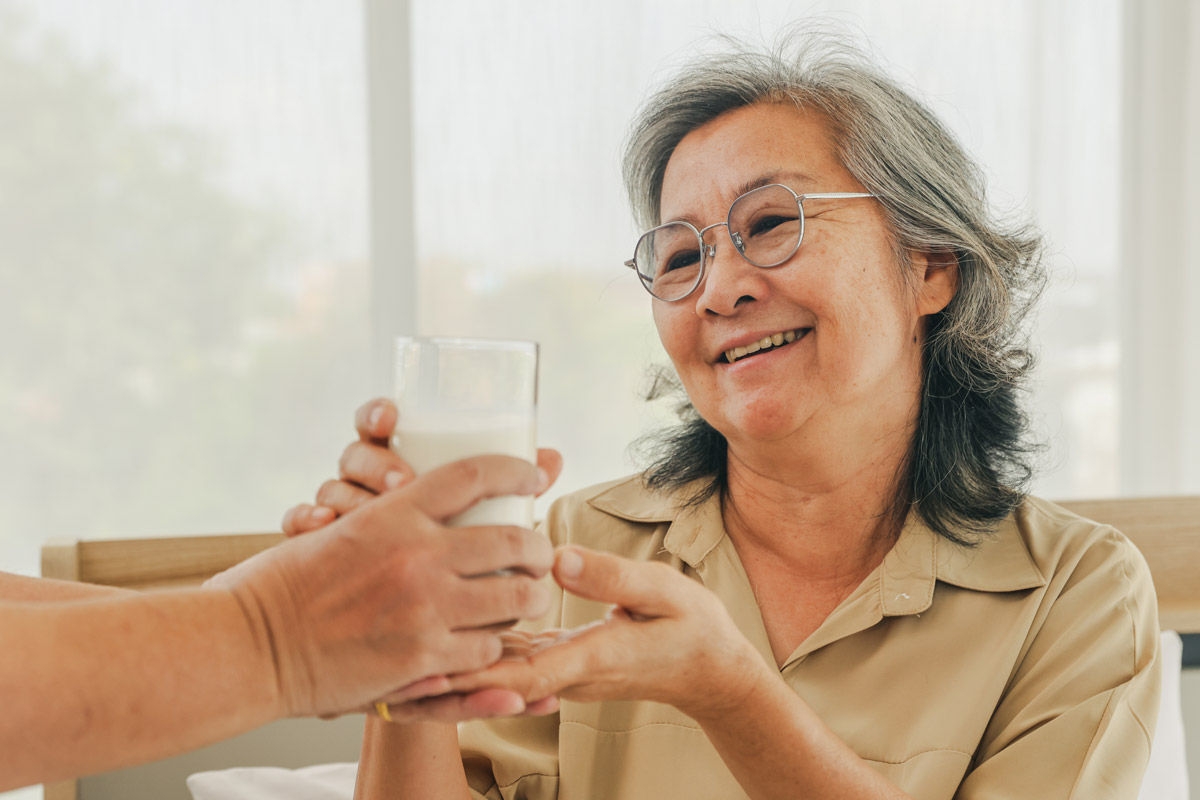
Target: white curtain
x,y
1160,253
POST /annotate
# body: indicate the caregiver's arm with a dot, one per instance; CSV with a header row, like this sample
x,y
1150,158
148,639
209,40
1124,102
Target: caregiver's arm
x,y
671,640
319,625
44,590
98,685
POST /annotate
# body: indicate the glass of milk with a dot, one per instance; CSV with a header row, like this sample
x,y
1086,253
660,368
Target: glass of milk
x,y
466,397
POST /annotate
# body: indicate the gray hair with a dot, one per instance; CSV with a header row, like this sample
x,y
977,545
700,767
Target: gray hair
x,y
970,458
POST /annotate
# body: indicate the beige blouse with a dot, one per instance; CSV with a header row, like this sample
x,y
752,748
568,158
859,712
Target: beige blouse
x,y
1024,668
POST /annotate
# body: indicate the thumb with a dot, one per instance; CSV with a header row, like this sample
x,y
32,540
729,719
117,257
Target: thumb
x,y
645,588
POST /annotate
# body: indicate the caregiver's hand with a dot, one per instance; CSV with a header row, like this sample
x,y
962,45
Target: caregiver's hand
x,y
368,467
387,595
669,639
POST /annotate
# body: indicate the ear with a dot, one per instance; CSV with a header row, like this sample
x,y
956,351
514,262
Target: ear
x,y
937,280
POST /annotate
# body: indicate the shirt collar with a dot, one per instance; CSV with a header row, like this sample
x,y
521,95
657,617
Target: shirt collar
x,y
694,531
1001,562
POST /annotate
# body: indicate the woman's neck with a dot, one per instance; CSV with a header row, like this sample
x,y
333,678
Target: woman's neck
x,y
827,512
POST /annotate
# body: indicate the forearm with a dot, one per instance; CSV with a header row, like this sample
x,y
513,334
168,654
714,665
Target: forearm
x,y
19,588
418,760
777,747
92,686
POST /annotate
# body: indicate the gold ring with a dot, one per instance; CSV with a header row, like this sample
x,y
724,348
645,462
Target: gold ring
x,y
381,708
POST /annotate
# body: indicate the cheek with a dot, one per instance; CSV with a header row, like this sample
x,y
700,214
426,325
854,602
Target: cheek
x,y
863,310
672,329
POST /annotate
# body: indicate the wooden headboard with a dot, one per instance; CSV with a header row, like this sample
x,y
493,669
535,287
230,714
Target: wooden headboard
x,y
1165,529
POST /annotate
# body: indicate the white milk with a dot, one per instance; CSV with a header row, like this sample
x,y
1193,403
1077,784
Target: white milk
x,y
429,441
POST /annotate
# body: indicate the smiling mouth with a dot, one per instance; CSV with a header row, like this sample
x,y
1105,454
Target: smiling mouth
x,y
772,342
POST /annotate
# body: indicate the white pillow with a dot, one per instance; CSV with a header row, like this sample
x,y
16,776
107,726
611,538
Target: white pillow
x,y
1166,776
322,782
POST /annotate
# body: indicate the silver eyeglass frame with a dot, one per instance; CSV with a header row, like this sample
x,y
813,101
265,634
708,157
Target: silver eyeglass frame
x,y
708,251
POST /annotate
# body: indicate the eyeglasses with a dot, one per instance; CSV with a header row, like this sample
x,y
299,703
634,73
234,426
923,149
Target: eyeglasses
x,y
766,226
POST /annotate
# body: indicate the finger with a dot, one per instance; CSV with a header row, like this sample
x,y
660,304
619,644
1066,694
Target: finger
x,y
645,588
467,651
539,708
551,463
306,517
549,666
477,551
499,598
375,420
426,687
342,497
459,707
373,467
453,488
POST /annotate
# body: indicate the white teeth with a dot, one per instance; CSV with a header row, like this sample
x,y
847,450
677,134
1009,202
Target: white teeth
x,y
774,340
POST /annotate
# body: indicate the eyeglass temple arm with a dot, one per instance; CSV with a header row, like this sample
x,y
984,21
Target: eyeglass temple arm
x,y
834,195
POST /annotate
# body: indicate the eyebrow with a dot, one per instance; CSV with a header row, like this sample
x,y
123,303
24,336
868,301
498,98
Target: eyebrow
x,y
765,179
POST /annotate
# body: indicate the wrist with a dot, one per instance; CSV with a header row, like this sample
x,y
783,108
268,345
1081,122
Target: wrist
x,y
732,682
263,649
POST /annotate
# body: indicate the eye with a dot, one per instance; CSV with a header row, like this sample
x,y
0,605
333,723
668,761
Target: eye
x,y
768,223
682,260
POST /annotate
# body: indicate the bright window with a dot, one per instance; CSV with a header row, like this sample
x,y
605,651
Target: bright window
x,y
522,223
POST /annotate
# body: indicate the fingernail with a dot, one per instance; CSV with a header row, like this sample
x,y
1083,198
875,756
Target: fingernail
x,y
322,514
373,419
393,479
570,564
543,477
514,705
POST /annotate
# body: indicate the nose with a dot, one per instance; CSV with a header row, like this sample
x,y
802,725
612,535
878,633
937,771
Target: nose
x,y
729,282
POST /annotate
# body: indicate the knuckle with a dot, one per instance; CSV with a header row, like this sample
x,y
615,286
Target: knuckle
x,y
348,461
522,593
515,545
540,686
329,491
467,472
530,597
489,650
289,520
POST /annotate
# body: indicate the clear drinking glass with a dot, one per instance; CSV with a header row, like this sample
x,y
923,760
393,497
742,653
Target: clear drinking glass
x,y
465,397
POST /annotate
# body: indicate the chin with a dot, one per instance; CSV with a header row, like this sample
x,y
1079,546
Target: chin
x,y
760,424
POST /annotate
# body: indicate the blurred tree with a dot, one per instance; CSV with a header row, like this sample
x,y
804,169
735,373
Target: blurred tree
x,y
157,374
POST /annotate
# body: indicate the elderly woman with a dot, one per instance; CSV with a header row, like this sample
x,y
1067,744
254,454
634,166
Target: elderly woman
x,y
829,583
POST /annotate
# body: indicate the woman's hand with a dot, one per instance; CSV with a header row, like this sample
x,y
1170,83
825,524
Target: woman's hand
x,y
368,467
669,639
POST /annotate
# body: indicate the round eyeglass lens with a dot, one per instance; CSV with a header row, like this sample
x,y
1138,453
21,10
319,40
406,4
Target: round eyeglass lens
x,y
668,260
766,225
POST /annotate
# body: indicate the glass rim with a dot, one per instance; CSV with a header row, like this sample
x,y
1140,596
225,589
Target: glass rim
x,y
469,343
